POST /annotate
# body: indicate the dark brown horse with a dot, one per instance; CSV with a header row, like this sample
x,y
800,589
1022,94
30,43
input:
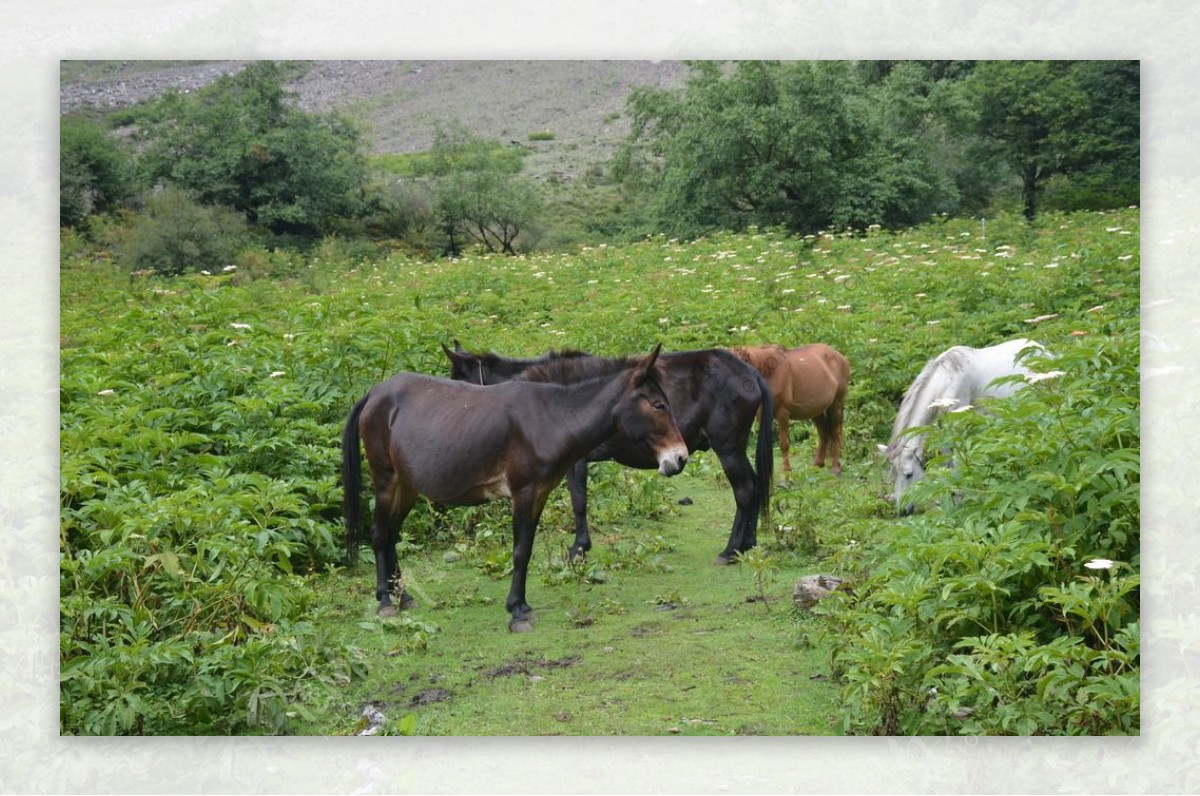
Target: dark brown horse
x,y
807,383
715,398
460,444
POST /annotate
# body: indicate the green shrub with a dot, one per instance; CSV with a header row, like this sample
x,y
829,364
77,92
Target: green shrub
x,y
984,615
176,234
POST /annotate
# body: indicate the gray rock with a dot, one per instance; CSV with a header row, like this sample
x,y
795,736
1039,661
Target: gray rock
x,y
811,589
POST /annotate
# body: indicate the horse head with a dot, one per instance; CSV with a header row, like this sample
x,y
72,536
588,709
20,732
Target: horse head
x,y
469,367
906,456
644,415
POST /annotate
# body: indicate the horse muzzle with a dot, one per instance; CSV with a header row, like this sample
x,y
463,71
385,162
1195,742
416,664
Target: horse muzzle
x,y
672,460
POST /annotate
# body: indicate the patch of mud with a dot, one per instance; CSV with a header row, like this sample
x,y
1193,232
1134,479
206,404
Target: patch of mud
x,y
527,666
430,697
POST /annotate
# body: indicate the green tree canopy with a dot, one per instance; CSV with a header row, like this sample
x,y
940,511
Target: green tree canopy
x,y
96,173
804,145
1049,118
244,143
480,194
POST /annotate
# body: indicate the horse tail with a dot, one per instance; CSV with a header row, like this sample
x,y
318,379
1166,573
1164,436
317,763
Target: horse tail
x,y
352,481
764,451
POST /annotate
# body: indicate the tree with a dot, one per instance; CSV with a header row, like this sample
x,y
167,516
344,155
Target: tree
x,y
806,145
1048,118
243,143
480,194
96,173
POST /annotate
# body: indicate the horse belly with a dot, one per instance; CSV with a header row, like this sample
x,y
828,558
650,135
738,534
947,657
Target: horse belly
x,y
446,451
808,401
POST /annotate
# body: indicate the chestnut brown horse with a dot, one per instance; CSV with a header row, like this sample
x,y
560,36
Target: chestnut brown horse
x,y
715,398
461,444
807,383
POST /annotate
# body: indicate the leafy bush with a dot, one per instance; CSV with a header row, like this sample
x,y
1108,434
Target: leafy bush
x,y
243,143
176,234
196,497
1012,605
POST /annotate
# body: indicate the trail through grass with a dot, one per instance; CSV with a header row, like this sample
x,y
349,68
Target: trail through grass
x,y
665,642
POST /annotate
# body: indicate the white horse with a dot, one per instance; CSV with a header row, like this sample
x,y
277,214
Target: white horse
x,y
954,380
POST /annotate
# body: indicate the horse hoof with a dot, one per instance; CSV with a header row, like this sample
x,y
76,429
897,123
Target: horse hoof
x,y
520,626
387,610
407,603
722,561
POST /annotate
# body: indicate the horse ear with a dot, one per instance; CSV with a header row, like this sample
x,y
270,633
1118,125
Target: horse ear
x,y
642,371
458,346
449,353
653,356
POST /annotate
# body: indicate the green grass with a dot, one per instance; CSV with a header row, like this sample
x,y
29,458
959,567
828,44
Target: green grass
x,y
666,643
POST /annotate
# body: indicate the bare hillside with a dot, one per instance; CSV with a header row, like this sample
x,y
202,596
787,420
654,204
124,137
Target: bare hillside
x,y
580,104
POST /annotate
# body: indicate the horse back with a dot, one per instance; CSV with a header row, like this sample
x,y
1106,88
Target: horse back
x,y
997,362
447,440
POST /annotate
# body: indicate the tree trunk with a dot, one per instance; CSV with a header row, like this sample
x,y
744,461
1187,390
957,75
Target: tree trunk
x,y
1029,191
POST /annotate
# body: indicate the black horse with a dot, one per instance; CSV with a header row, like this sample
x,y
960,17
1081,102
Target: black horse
x,y
715,397
460,444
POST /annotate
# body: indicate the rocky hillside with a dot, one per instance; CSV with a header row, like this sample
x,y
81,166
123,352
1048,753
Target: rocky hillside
x,y
577,106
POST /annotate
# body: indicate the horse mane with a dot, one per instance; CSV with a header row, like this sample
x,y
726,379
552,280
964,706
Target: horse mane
x,y
752,354
939,374
571,366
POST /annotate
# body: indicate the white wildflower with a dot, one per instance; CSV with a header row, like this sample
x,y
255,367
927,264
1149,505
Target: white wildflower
x,y
943,403
277,373
239,326
1034,378
1041,318
228,268
1099,563
106,392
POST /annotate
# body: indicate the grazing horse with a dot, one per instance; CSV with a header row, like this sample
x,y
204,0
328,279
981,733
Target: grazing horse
x,y
715,398
807,383
460,444
954,380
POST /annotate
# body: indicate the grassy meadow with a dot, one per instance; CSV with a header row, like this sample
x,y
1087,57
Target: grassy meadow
x,y
203,586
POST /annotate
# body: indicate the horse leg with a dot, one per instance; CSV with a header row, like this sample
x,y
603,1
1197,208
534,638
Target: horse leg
x,y
527,510
821,421
577,486
835,436
785,441
385,532
744,534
